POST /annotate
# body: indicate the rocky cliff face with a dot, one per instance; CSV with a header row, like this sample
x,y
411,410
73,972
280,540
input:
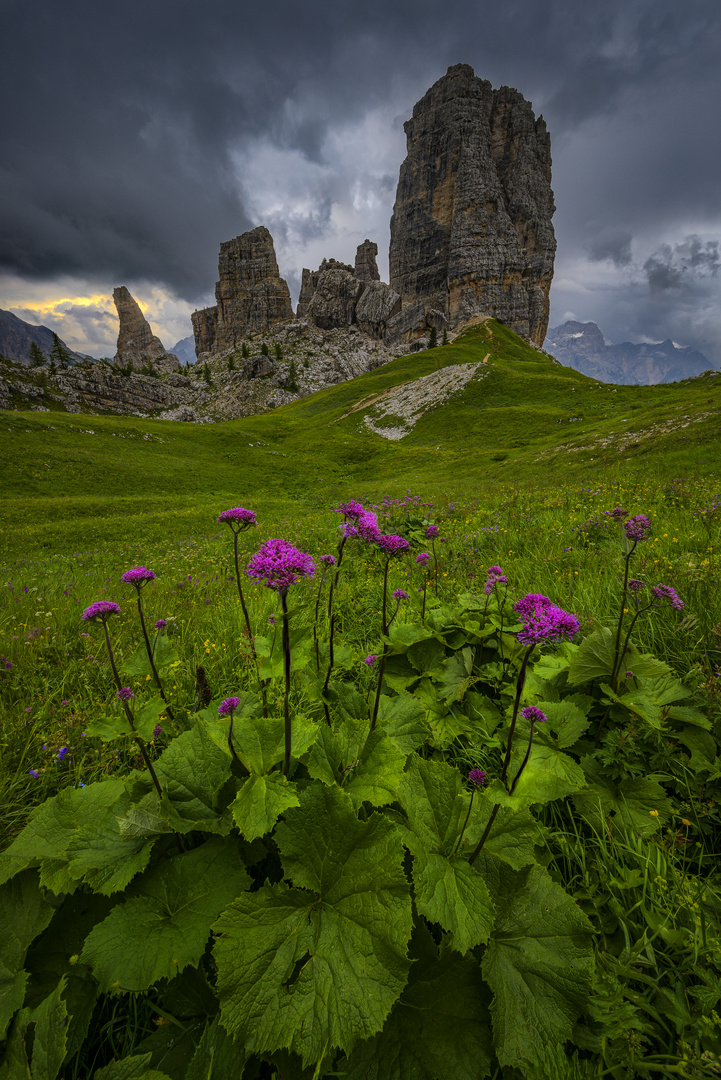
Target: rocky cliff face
x,y
337,295
251,295
137,344
582,346
366,267
471,231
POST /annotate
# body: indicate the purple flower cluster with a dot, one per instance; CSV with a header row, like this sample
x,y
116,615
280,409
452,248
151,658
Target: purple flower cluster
x,y
477,777
667,595
350,509
328,560
62,752
138,576
617,514
125,694
101,609
431,532
392,544
370,660
536,716
238,517
157,730
543,621
635,585
399,595
228,707
637,528
160,624
423,559
495,576
280,565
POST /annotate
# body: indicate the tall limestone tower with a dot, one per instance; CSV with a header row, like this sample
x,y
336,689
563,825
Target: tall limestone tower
x,y
471,231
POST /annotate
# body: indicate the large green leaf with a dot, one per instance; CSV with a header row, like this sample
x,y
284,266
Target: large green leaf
x,y
431,797
164,924
24,913
565,719
455,677
260,741
75,836
260,802
594,657
194,769
130,1068
216,1056
549,774
452,893
50,1042
116,726
367,764
539,965
640,803
320,964
402,719
427,655
512,839
439,1030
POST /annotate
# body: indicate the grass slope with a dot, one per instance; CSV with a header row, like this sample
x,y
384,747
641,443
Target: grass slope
x,y
528,422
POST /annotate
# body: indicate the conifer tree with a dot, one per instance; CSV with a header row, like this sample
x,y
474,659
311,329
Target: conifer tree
x,y
36,356
59,353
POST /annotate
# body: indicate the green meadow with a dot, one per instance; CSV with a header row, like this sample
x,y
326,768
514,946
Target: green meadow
x,y
574,931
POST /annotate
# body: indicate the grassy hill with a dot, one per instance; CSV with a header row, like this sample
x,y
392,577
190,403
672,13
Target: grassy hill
x,y
521,419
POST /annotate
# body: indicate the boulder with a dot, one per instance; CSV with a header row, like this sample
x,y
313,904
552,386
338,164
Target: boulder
x,y
376,307
333,303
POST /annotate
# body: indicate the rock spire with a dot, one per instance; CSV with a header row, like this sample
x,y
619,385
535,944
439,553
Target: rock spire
x,y
137,344
471,231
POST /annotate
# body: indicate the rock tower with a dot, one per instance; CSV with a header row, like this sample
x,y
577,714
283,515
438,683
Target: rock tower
x,y
471,231
251,295
137,344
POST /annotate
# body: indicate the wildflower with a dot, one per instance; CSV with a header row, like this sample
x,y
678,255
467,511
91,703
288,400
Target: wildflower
x,y
543,620
160,624
370,660
350,509
431,532
65,702
666,594
635,585
399,594
637,528
138,576
228,707
157,730
239,517
477,777
125,694
102,610
617,514
629,675
365,527
62,752
653,813
34,773
280,565
684,820
391,544
423,559
536,716
329,560
272,620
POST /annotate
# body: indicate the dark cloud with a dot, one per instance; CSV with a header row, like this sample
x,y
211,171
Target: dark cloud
x,y
680,266
139,137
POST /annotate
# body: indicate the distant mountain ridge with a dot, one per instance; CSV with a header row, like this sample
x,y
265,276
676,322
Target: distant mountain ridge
x,y
16,337
582,346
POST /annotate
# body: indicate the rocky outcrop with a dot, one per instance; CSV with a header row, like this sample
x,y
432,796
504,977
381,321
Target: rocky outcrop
x,y
471,231
366,267
309,283
375,309
137,344
334,301
251,295
582,346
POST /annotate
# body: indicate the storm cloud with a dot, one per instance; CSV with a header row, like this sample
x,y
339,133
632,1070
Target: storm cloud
x,y
136,138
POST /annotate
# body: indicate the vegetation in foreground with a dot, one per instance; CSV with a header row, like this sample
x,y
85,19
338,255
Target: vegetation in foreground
x,y
486,849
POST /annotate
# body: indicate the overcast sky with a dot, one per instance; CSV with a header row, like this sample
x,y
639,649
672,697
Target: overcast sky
x,y
135,137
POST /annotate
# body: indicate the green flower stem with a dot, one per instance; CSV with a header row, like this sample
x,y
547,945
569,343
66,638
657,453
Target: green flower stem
x,y
517,777
381,673
386,627
616,654
129,715
315,624
235,757
384,615
616,673
519,690
425,586
331,629
286,701
465,823
150,651
486,831
246,616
